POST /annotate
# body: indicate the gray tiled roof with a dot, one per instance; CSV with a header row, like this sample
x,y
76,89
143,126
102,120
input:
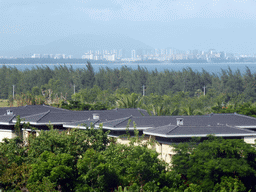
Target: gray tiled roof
x,y
35,117
190,131
6,118
145,121
82,123
204,120
118,118
55,116
31,110
116,122
233,119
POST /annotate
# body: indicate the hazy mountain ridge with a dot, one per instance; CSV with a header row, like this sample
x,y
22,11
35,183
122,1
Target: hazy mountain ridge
x,y
77,45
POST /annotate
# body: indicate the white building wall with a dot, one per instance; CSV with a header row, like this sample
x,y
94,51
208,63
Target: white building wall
x,y
165,151
250,140
6,134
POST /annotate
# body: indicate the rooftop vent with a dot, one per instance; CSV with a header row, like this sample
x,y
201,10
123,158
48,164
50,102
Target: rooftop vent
x,y
179,121
9,112
96,116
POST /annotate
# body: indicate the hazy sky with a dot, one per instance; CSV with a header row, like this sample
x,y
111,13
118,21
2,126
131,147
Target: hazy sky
x,y
228,25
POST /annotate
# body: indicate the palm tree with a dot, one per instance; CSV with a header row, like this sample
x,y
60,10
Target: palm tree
x,y
159,110
129,101
189,111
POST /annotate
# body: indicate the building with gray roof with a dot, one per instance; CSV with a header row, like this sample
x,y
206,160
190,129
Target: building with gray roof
x,y
119,121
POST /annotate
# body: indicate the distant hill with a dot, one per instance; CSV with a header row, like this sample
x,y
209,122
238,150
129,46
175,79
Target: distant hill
x,y
77,45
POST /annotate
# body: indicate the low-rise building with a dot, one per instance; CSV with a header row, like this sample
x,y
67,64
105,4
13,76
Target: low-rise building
x,y
166,130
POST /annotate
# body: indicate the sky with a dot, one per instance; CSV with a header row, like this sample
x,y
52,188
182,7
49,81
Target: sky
x,y
223,25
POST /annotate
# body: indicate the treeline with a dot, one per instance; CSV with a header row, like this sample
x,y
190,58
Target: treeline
x,y
166,93
87,160
62,79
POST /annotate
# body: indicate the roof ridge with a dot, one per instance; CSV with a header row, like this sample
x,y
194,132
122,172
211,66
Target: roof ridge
x,y
224,113
44,115
142,109
244,116
250,131
175,126
113,120
173,129
124,119
12,117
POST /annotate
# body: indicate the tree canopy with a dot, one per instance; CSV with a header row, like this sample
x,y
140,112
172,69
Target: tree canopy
x,y
215,161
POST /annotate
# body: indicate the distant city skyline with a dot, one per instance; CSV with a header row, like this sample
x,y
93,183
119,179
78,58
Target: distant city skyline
x,y
169,54
227,25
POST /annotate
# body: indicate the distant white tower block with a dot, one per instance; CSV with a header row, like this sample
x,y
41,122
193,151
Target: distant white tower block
x,y
133,54
36,56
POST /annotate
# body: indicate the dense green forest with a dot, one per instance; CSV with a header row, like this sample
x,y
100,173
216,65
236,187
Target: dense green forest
x,y
166,93
87,160
61,79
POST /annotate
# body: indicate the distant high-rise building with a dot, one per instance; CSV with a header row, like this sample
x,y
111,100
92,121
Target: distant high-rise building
x,y
120,53
45,56
222,55
58,56
110,57
133,54
156,52
88,56
36,56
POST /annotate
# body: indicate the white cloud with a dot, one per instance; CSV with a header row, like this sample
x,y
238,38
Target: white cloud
x,y
165,10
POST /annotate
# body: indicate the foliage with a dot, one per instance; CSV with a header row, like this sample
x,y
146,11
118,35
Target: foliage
x,y
12,151
28,99
48,159
129,101
75,142
15,176
78,106
206,163
58,169
88,95
134,164
245,109
86,160
229,184
13,156
167,92
44,185
18,127
95,174
193,188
